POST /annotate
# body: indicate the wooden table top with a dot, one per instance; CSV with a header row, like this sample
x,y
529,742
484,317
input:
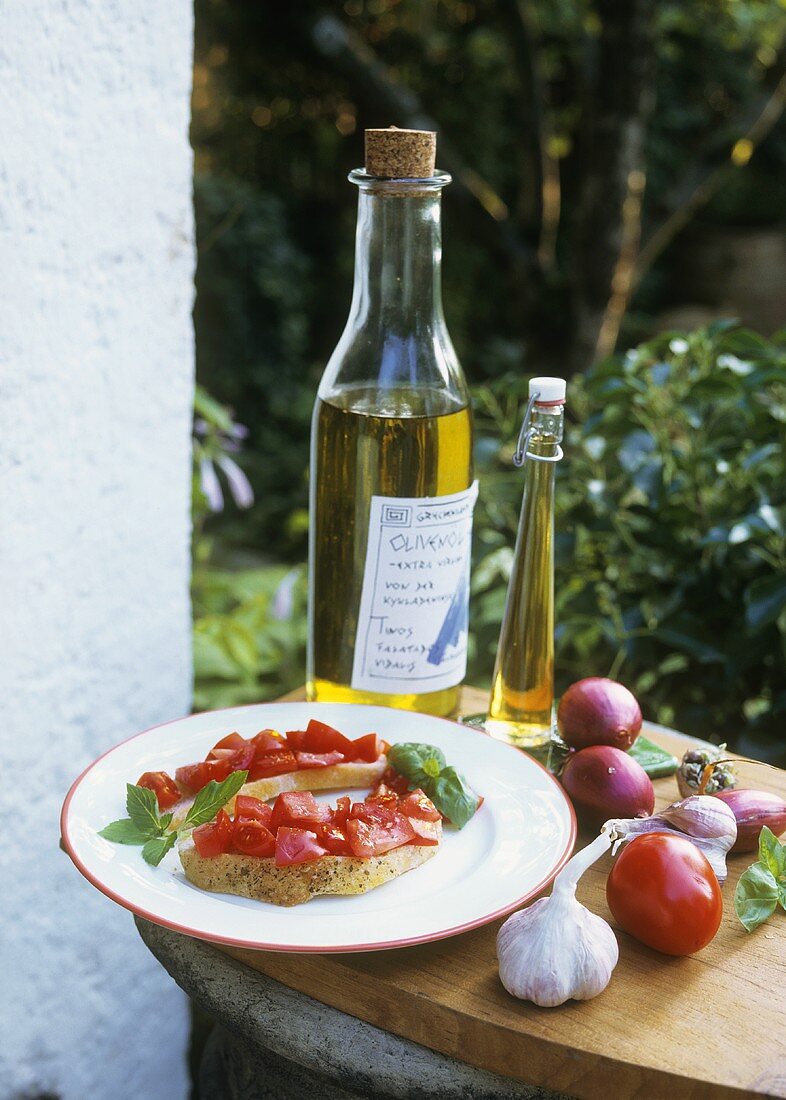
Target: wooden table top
x,y
710,1025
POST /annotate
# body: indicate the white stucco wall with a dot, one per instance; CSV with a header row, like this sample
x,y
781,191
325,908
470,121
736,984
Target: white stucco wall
x,y
96,363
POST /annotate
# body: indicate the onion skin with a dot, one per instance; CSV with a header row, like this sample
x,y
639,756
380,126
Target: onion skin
x,y
604,782
753,810
598,711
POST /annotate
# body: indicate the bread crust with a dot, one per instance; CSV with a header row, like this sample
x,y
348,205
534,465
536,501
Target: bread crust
x,y
260,879
354,775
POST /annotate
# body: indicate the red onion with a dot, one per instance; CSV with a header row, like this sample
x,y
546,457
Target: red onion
x,y
753,809
597,711
604,782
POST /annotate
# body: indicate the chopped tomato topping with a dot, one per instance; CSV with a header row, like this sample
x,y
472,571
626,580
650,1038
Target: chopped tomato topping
x,y
360,838
382,793
369,748
196,776
426,832
297,846
295,739
341,810
163,786
269,741
418,804
238,759
252,838
266,764
231,741
397,782
252,809
381,836
318,759
334,840
214,838
298,808
323,738
375,812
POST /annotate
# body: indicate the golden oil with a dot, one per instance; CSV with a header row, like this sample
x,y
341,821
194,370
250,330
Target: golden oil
x,y
522,693
403,443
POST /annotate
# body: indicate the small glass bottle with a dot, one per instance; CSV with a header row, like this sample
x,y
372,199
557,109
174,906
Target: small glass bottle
x,y
392,488
522,693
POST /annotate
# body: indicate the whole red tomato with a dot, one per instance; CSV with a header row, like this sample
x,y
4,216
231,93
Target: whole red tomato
x,y
663,891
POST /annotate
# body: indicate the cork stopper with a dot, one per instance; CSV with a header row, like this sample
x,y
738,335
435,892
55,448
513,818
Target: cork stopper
x,y
401,154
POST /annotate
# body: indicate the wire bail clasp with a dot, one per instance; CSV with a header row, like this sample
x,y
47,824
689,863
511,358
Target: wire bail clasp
x,y
522,453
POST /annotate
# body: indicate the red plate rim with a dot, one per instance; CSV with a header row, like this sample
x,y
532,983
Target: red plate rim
x,y
256,945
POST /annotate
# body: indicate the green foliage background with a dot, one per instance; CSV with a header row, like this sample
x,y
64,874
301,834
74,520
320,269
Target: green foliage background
x,y
670,553
671,567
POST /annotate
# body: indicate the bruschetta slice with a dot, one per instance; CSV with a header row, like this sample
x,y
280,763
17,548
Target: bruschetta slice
x,y
318,758
298,849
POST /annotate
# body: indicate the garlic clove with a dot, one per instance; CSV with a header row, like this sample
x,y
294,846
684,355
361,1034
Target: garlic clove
x,y
697,818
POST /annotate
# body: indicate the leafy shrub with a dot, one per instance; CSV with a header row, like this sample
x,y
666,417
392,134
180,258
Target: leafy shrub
x,y
249,635
671,530
670,550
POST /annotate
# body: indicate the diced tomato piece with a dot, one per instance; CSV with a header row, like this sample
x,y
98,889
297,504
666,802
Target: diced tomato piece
x,y
375,813
393,779
334,840
269,741
381,836
215,837
360,838
295,739
239,760
252,809
252,838
298,808
297,846
323,738
163,786
272,763
197,776
382,793
426,832
340,813
418,804
368,748
318,759
231,741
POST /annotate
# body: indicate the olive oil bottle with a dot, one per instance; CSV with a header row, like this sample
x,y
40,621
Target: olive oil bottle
x,y
522,693
392,490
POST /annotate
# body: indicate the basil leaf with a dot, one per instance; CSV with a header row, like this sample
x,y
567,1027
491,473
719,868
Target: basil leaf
x,y
165,820
755,897
142,808
656,762
453,797
211,798
155,849
123,831
772,854
417,762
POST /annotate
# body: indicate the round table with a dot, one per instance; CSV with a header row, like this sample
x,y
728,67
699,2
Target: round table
x,y
273,1043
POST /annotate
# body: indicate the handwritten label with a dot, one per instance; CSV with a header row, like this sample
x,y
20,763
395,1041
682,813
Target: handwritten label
x,y
412,624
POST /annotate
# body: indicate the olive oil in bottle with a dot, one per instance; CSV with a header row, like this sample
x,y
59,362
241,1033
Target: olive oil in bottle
x,y
522,693
391,460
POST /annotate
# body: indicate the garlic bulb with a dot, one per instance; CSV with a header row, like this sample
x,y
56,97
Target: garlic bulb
x,y
556,949
699,818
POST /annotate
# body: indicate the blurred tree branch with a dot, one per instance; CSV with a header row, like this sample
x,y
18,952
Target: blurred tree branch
x,y
619,99
539,170
374,85
701,183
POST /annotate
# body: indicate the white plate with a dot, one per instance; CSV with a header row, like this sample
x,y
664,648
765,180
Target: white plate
x,y
512,848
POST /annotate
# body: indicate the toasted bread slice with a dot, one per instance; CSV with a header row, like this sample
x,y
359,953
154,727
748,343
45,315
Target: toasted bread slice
x,y
253,877
355,775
